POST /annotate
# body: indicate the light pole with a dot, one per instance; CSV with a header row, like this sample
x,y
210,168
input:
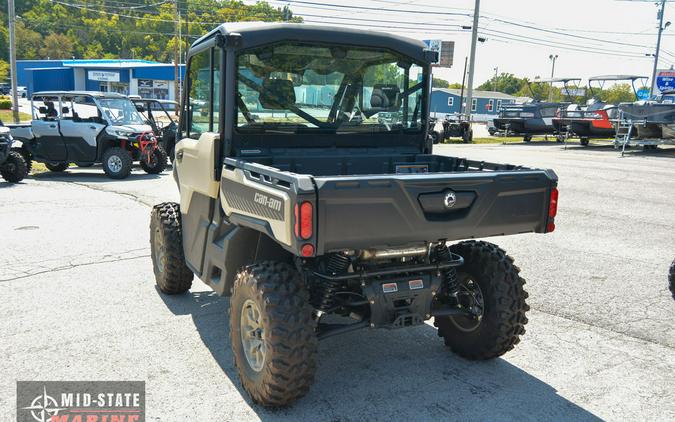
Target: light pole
x,y
12,61
553,58
658,45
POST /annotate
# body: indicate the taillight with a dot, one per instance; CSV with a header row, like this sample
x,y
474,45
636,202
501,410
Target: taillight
x,y
552,210
307,250
304,220
553,204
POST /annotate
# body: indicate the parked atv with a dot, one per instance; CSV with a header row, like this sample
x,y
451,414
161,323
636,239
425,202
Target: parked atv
x,y
320,219
86,128
158,115
12,165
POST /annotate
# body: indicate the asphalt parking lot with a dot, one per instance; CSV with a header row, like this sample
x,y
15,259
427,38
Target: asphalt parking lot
x,y
80,304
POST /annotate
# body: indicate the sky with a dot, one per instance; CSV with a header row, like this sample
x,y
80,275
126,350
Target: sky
x,y
590,37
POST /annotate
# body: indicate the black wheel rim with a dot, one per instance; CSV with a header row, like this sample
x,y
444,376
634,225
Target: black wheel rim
x,y
470,297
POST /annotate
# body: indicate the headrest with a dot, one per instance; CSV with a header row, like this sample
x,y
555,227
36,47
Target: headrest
x,y
386,97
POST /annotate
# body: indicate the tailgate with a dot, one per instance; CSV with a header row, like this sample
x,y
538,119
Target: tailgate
x,y
383,211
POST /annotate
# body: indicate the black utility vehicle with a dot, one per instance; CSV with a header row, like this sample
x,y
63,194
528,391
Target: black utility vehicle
x,y
89,127
318,218
158,115
12,165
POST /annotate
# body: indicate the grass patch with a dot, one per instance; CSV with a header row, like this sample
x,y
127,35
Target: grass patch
x,y
38,168
7,117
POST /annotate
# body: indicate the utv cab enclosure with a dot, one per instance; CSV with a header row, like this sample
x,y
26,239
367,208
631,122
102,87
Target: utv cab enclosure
x,y
158,114
319,216
84,128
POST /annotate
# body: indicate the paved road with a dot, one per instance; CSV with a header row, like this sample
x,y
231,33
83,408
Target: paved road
x,y
80,303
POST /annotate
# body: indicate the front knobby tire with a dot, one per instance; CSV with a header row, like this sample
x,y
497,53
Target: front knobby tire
x,y
281,340
158,161
503,318
14,169
671,279
166,244
117,163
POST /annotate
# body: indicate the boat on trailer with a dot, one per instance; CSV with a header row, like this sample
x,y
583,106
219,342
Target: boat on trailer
x,y
648,123
599,119
536,117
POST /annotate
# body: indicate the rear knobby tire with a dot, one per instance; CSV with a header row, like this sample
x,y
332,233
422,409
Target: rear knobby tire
x,y
57,168
527,138
287,332
671,279
14,168
158,161
503,320
584,141
26,157
166,244
117,163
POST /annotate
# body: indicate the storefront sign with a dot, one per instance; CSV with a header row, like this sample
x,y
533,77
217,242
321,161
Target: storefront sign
x,y
98,75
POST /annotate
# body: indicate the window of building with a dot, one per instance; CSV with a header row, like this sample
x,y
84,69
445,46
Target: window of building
x,y
499,104
451,101
490,105
474,104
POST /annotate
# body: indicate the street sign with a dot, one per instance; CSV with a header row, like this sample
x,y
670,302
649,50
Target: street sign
x,y
665,81
445,49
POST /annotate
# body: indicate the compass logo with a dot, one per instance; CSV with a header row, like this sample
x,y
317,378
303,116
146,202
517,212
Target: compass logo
x,y
80,401
43,407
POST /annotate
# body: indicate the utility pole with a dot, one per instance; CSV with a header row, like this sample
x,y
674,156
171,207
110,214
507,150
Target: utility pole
x,y
12,61
461,92
176,57
472,60
553,58
658,45
494,80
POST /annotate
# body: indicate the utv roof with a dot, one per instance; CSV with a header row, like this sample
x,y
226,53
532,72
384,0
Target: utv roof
x,y
96,94
254,34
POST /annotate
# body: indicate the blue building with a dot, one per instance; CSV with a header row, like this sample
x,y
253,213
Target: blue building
x,y
485,104
129,77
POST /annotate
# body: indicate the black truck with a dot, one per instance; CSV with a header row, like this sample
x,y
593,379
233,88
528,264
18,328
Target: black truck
x,y
318,218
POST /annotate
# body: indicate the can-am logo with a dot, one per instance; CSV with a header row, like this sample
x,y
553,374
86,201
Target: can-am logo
x,y
80,401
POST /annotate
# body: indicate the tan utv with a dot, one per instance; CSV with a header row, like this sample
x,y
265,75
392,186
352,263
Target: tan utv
x,y
319,217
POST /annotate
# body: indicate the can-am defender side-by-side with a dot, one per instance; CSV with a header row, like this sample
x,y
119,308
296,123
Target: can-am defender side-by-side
x,y
536,117
158,115
84,128
12,164
318,218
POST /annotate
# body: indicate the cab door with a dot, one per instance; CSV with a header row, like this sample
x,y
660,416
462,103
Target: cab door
x,y
47,143
195,154
80,128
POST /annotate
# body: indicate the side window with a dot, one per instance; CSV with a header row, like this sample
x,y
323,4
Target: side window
x,y
199,106
451,101
45,108
548,111
474,103
499,104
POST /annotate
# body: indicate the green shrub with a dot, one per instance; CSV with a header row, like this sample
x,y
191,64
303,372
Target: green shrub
x,y
5,104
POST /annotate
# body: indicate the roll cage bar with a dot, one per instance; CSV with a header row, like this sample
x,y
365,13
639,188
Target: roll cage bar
x,y
575,82
604,78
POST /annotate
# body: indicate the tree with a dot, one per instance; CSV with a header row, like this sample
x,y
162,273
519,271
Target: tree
x,y
505,82
455,85
618,93
4,70
439,83
28,42
57,46
539,91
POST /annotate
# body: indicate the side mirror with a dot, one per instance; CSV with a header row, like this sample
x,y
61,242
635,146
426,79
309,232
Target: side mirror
x,y
65,110
140,108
